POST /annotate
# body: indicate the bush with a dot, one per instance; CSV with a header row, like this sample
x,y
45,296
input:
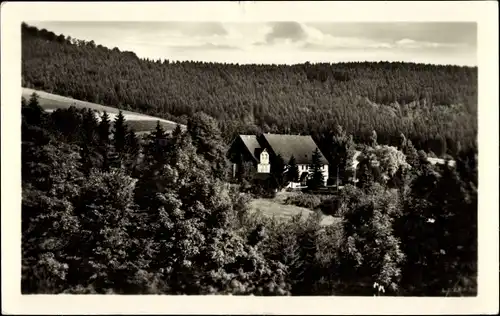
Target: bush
x,y
309,201
265,188
313,202
330,206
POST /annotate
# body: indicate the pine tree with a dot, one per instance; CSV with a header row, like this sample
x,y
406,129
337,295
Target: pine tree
x,y
240,168
90,127
89,140
156,148
119,133
132,145
364,175
293,170
278,170
132,151
34,100
317,179
158,133
177,131
104,134
32,112
104,129
411,155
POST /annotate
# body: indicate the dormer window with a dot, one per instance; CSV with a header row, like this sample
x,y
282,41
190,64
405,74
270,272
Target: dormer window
x,y
264,157
263,166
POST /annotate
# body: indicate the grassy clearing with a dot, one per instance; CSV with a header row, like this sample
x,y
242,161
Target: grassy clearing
x,y
139,122
276,207
142,126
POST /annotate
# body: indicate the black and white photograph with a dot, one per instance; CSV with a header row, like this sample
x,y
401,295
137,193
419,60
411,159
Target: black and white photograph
x,y
245,153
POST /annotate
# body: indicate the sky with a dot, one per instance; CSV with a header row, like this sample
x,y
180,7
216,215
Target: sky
x,y
282,42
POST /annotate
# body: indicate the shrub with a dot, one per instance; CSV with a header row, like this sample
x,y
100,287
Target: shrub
x,y
309,201
330,206
326,203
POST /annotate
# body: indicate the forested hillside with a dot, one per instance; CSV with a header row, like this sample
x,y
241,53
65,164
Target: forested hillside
x,y
433,106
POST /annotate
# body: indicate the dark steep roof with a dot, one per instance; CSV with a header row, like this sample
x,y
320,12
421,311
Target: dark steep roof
x,y
301,147
251,143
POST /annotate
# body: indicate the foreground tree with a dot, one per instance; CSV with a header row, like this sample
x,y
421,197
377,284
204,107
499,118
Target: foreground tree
x,y
51,182
292,173
381,164
156,147
371,251
206,137
342,153
278,171
132,151
119,133
104,141
440,261
316,179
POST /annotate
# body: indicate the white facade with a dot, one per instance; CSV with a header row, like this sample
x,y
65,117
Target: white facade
x,y
264,166
305,168
325,173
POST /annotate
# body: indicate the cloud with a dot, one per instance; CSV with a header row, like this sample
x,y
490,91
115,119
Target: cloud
x,y
205,46
332,43
410,43
463,33
287,31
320,38
196,28
309,38
406,41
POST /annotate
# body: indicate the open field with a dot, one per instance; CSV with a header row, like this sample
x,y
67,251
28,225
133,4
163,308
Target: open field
x,y
138,122
277,208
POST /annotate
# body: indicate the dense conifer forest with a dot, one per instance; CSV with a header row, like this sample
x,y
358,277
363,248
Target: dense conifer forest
x,y
434,106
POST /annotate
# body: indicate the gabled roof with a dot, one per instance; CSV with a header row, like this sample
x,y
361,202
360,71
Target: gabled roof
x,y
251,143
300,146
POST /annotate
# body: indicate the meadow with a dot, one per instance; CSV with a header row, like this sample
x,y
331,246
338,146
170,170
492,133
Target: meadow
x,y
140,123
277,208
